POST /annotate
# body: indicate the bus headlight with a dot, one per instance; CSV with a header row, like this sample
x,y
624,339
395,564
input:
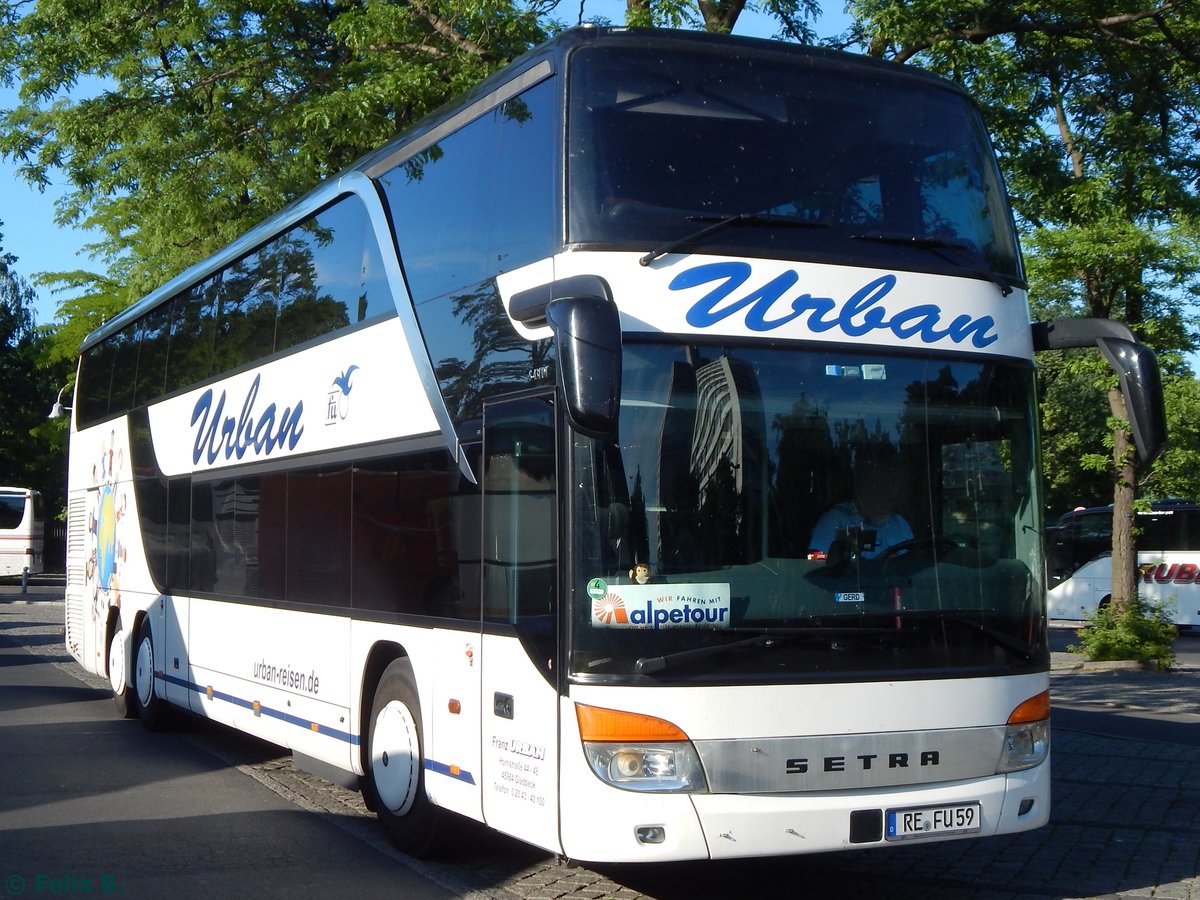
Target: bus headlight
x,y
1027,737
661,767
637,752
1025,746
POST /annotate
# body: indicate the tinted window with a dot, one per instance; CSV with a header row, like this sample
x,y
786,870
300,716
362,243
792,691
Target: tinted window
x,y
315,279
520,506
398,535
95,379
125,364
414,535
348,262
481,201
193,325
152,358
12,510
477,204
318,537
846,163
246,311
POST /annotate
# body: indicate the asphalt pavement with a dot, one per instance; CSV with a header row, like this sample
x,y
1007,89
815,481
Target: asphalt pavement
x,y
1125,818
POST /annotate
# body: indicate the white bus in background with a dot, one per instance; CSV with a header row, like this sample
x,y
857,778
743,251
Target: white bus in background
x,y
485,476
1079,554
22,531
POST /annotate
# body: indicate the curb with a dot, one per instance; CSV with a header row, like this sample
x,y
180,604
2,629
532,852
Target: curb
x,y
1125,665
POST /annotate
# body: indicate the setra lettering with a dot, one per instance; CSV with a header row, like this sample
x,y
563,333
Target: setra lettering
x,y
799,765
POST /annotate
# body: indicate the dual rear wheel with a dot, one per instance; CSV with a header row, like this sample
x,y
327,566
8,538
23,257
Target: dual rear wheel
x,y
135,697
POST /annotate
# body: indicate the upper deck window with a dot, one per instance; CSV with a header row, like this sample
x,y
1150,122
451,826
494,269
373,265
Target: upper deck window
x,y
845,163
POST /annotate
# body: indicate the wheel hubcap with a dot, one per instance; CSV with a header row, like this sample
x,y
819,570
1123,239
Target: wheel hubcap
x,y
395,757
144,674
116,663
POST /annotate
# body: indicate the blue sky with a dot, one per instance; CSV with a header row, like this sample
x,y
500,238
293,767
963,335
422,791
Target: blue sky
x,y
29,231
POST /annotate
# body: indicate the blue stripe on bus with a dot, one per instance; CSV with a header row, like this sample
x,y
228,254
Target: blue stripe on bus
x,y
443,769
307,724
271,712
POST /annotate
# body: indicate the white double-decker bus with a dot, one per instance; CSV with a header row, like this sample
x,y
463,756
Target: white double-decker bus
x,y
492,475
22,532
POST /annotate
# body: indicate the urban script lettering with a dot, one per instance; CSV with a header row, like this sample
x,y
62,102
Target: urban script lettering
x,y
766,308
259,433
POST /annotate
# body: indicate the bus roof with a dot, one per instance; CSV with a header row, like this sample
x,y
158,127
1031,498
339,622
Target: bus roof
x,y
1170,504
524,71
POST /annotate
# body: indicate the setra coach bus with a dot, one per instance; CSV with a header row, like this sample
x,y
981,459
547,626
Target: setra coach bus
x,y
529,470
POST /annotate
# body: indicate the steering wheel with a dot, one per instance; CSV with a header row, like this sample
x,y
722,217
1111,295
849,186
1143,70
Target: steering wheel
x,y
927,546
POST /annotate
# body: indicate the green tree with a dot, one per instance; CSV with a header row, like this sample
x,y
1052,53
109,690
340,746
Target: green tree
x,y
213,115
1093,105
793,18
32,450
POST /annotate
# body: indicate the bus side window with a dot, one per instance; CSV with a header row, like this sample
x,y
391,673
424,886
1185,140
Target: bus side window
x,y
193,327
519,556
152,355
405,558
95,379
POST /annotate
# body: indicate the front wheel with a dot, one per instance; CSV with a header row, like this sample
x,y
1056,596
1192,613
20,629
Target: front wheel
x,y
395,781
150,709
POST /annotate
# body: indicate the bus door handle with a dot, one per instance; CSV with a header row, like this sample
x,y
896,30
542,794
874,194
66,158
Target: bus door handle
x,y
502,705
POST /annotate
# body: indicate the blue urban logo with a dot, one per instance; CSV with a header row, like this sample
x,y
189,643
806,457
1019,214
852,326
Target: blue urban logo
x,y
339,399
764,309
257,433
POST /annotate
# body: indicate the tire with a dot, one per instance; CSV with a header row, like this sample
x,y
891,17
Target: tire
x,y
394,784
118,675
151,710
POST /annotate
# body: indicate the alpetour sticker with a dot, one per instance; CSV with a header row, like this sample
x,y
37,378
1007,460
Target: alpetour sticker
x,y
661,606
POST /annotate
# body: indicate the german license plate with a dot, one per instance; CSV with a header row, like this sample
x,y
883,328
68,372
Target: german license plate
x,y
932,821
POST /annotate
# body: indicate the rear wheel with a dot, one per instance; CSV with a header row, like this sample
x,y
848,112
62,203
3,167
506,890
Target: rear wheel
x,y
118,675
150,709
395,779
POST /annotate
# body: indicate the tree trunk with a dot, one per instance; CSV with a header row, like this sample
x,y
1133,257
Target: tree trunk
x,y
1124,551
721,15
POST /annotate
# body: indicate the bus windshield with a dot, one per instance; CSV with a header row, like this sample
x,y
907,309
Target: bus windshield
x,y
817,161
779,513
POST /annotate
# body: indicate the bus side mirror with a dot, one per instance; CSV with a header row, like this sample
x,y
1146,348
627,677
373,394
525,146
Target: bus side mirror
x,y
587,343
1136,367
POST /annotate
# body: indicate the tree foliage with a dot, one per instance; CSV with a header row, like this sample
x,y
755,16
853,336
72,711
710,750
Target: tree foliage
x,y
209,115
32,451
793,18
1139,631
213,114
1094,105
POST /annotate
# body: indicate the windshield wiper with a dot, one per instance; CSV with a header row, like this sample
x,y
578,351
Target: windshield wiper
x,y
936,244
719,223
963,617
647,665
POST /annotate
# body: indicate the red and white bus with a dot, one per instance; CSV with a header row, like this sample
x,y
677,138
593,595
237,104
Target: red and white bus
x,y
22,532
1168,552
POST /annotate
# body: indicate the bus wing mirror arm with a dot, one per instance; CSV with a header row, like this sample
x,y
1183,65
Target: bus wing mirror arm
x,y
587,343
1136,367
